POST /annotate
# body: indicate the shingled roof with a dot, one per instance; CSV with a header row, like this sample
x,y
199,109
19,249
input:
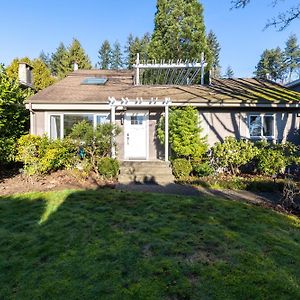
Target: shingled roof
x,y
120,85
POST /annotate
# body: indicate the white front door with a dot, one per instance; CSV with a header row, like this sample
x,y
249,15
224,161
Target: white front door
x,y
136,135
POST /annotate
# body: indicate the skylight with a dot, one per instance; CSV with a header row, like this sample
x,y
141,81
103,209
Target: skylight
x,y
94,81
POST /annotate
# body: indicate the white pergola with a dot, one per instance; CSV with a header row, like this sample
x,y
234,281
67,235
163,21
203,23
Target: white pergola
x,y
173,72
125,103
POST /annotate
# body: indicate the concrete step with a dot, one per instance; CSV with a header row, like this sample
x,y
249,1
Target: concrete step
x,y
145,172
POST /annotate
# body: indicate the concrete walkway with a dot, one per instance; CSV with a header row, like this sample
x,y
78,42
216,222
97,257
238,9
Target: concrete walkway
x,y
189,190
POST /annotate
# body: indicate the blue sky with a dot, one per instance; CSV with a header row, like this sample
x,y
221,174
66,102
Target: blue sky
x,y
27,27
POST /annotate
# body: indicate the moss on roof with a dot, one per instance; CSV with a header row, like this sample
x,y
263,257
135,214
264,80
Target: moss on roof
x,y
120,85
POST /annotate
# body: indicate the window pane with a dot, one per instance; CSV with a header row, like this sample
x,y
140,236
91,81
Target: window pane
x,y
137,120
71,120
55,127
268,129
102,119
255,126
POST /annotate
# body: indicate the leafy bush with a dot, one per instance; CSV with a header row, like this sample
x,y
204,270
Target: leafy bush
x,y
201,169
108,167
7,150
41,155
275,158
271,162
184,133
233,154
14,117
181,167
95,142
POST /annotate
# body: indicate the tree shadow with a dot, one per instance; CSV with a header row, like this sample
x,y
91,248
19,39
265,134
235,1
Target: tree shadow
x,y
105,243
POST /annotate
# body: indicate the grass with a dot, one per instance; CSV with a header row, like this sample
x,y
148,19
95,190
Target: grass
x,y
115,245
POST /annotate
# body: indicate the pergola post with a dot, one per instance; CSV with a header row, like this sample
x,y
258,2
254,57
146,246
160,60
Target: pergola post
x,y
166,131
113,122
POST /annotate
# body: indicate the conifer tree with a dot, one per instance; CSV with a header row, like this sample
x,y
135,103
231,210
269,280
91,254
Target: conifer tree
x,y
105,55
45,58
77,55
59,62
292,56
229,72
134,46
214,48
116,57
179,31
271,65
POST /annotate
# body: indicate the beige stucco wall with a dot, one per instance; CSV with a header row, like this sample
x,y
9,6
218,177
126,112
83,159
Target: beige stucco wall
x,y
38,126
219,124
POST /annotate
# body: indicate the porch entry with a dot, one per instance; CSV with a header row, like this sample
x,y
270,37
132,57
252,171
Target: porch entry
x,y
136,127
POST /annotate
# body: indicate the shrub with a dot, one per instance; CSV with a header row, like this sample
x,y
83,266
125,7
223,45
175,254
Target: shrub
x,y
201,169
95,142
184,133
41,155
7,150
181,167
233,154
271,162
108,167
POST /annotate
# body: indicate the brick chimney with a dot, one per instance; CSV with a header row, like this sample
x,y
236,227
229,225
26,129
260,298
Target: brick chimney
x,y
25,74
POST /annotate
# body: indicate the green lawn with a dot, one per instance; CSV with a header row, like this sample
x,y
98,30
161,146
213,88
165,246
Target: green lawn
x,y
112,245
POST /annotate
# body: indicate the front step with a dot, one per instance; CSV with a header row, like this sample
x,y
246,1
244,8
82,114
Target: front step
x,y
158,172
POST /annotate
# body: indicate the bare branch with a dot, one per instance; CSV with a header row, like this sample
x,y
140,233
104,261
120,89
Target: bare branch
x,y
282,21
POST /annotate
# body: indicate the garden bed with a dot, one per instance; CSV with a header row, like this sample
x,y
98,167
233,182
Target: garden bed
x,y
13,181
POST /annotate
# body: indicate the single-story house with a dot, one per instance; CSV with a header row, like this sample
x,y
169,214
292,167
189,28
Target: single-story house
x,y
294,85
244,108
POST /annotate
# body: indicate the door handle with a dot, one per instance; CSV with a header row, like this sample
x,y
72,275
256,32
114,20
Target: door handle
x,y
127,138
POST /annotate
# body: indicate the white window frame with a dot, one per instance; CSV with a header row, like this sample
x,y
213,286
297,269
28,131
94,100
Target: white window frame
x,y
62,114
262,116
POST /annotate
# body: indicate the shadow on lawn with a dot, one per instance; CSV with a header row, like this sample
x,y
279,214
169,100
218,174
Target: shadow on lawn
x,y
116,244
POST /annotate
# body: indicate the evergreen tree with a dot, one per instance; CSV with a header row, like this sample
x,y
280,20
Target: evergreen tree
x,y
116,57
105,55
229,72
271,65
59,62
292,56
77,55
214,48
179,31
128,51
41,74
134,46
45,58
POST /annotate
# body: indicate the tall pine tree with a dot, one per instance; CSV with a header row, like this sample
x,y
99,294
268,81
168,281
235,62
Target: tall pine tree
x,y
104,55
77,55
271,65
292,56
134,46
116,57
59,62
179,31
214,48
45,58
